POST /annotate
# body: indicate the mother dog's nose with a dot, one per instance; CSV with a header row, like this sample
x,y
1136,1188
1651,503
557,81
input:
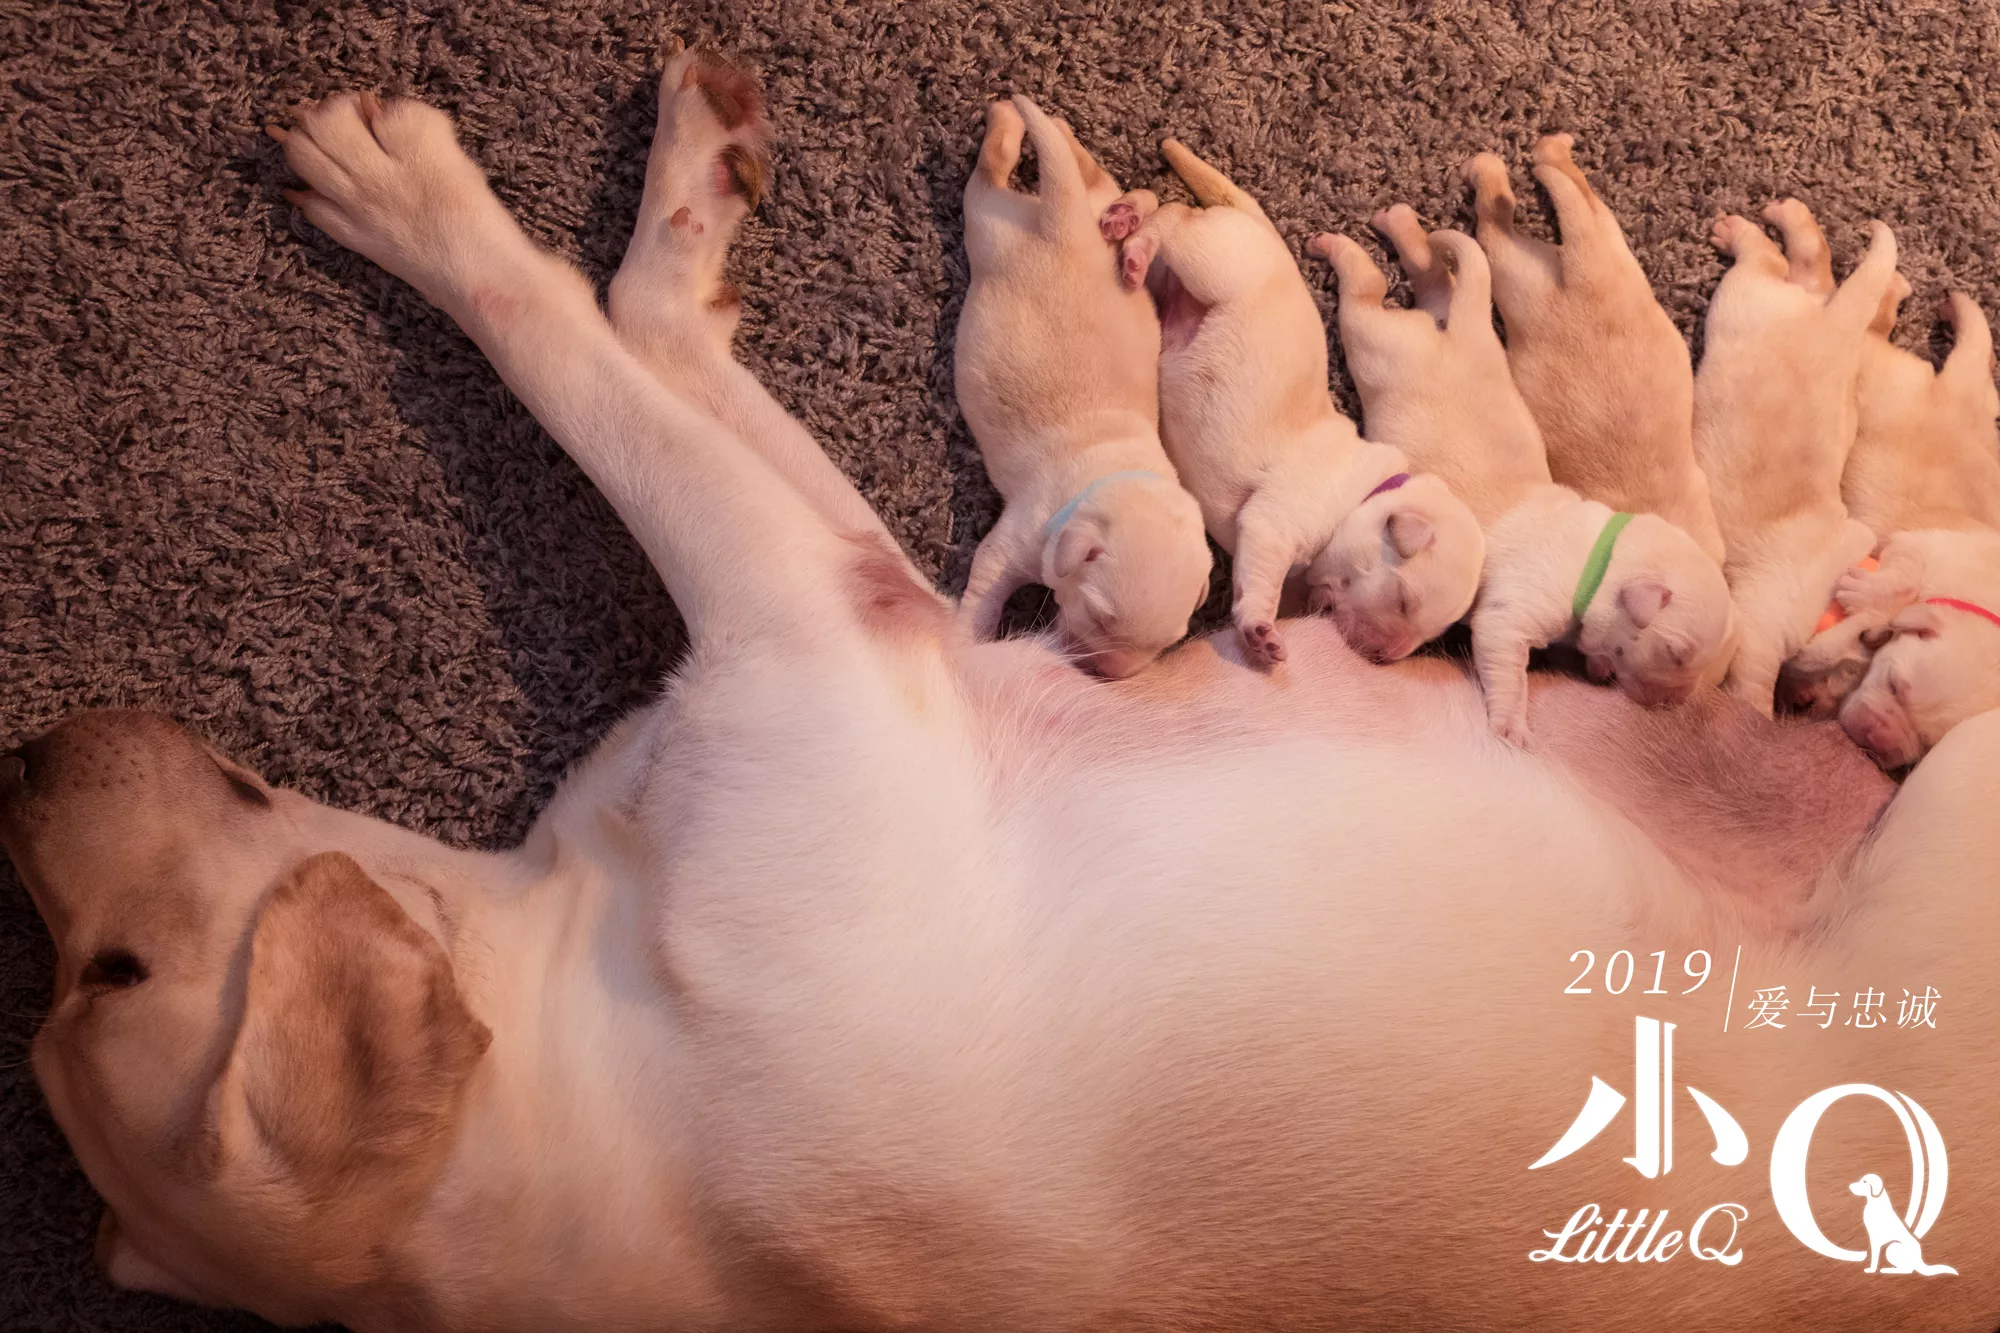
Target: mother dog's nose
x,y
16,766
13,773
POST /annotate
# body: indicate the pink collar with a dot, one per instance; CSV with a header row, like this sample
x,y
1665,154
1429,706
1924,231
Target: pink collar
x,y
1972,608
1389,485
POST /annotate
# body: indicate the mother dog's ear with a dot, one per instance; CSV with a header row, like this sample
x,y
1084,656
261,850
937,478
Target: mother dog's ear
x,y
341,1090
121,1261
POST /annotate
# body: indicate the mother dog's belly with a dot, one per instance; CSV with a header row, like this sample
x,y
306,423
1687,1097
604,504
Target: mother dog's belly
x,y
1013,983
1752,812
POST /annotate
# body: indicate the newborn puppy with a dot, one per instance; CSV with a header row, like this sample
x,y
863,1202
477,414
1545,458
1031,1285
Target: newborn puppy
x,y
1598,361
1926,451
1774,421
1926,458
1641,601
1936,595
1057,374
1283,478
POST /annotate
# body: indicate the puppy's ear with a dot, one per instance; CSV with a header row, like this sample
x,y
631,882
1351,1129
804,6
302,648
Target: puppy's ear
x,y
126,1267
1410,532
1920,620
1642,600
1878,637
1080,542
341,1091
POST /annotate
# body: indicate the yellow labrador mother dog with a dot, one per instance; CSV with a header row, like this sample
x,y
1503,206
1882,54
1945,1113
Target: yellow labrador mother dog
x,y
877,980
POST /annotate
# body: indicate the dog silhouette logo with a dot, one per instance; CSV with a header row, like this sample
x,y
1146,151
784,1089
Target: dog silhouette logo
x,y
1894,1238
1889,1240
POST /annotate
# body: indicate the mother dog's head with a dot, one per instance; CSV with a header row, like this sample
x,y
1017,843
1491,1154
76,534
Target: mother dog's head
x,y
255,1050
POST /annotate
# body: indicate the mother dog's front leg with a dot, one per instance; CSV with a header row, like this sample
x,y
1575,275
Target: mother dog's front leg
x,y
742,552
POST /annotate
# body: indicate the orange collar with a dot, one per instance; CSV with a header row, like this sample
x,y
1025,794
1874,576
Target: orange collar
x,y
1834,615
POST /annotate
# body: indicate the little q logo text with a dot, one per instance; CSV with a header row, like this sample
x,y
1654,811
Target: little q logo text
x,y
1894,1238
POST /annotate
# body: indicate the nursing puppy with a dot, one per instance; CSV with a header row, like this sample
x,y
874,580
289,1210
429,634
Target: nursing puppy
x,y
1599,363
1931,475
1926,460
1926,451
1283,478
1936,596
1645,605
1057,374
1774,421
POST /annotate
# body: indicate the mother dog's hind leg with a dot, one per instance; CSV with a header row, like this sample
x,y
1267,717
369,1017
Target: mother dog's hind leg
x,y
707,169
742,552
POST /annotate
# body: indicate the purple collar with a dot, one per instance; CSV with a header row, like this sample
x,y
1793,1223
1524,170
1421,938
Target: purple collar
x,y
1388,485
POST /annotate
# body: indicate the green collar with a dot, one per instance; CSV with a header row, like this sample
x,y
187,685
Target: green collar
x,y
1599,561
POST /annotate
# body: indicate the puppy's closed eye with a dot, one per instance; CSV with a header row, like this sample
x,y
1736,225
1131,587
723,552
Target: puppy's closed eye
x,y
112,969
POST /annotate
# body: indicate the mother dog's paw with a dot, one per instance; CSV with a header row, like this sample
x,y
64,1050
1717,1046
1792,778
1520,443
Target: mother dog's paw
x,y
707,168
712,149
388,180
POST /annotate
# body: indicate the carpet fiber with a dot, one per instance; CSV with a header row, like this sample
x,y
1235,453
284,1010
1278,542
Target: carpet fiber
x,y
251,481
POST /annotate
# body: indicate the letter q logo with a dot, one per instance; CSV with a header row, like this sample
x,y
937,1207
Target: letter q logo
x,y
1929,1172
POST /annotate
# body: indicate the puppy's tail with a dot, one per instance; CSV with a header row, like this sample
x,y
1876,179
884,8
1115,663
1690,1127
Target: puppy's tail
x,y
1209,185
1969,368
1937,1270
1065,202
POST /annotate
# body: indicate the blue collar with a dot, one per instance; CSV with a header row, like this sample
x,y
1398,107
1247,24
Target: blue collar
x,y
1060,519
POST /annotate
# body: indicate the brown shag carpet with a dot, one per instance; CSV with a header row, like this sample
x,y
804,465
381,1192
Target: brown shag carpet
x,y
252,482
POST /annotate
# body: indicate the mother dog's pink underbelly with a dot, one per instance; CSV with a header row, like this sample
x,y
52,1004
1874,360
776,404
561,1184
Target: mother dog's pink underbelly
x,y
1742,806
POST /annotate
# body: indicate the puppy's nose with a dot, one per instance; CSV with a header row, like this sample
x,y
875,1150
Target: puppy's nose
x,y
1797,693
1879,736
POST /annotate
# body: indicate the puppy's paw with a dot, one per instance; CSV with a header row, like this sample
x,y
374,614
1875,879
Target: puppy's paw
x,y
1485,172
1261,644
1492,191
1127,214
1869,592
1791,215
1326,245
1119,221
1135,259
388,180
1396,217
1402,227
1513,729
1554,149
1728,232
